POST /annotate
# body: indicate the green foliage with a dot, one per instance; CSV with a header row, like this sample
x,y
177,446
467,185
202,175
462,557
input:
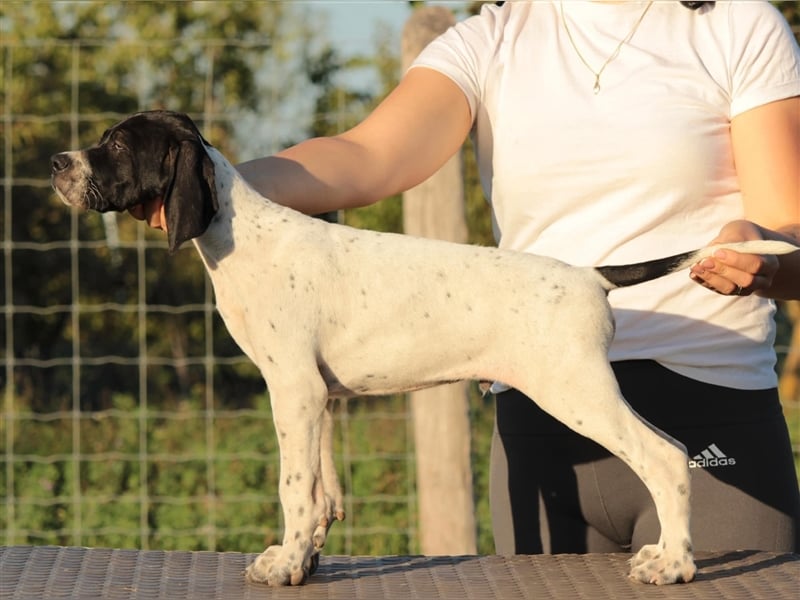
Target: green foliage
x,y
172,479
790,10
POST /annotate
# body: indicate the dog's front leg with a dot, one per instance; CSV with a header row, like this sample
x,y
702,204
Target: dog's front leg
x,y
299,426
334,498
329,477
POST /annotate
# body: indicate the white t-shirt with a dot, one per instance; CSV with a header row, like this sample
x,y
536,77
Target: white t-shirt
x,y
641,170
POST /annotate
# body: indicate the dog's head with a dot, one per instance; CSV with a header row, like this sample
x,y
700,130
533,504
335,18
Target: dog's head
x,y
157,154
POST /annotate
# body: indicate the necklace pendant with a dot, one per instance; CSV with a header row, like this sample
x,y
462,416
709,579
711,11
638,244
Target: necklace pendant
x,y
613,55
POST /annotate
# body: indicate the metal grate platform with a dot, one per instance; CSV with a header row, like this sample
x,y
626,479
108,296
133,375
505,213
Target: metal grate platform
x,y
56,572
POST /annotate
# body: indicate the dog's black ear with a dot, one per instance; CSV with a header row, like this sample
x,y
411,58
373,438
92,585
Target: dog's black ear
x,y
191,198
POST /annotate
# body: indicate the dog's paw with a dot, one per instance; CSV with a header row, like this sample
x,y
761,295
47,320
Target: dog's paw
x,y
338,510
277,566
324,523
652,564
334,504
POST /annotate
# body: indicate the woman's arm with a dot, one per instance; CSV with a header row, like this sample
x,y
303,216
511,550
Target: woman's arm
x,y
412,133
766,149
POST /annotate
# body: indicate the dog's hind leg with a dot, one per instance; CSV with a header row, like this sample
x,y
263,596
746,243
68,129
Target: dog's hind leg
x,y
587,399
299,413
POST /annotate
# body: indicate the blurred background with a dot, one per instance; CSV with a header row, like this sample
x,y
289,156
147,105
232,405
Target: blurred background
x,y
129,417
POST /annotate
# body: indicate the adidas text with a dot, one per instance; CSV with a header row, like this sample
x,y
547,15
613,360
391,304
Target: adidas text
x,y
711,457
711,462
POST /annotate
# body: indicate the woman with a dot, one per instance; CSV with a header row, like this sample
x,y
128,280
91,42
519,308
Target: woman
x,y
615,132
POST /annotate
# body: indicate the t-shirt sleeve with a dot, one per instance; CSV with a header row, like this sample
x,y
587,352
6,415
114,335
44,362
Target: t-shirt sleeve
x,y
463,52
765,58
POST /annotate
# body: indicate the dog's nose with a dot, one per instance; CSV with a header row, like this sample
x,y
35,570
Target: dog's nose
x,y
60,162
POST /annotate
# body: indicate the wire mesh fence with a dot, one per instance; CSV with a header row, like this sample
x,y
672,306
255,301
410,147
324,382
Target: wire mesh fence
x,y
129,418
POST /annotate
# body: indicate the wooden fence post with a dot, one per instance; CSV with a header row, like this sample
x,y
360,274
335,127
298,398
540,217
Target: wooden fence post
x,y
435,209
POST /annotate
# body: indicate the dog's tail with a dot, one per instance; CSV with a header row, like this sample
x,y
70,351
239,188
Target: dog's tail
x,y
625,275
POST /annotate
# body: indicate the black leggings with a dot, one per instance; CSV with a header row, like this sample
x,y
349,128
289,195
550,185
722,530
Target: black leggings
x,y
554,491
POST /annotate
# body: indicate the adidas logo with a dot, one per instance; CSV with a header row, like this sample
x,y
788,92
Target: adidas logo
x,y
711,457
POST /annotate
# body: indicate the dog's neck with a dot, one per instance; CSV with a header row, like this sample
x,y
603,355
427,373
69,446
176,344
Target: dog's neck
x,y
228,228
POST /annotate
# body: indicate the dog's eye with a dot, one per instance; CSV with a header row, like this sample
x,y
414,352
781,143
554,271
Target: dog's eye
x,y
116,146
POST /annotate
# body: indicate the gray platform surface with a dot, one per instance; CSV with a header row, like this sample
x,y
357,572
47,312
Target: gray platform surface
x,y
46,572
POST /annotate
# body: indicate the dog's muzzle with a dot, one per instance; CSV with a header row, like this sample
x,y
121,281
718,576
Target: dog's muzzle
x,y
68,178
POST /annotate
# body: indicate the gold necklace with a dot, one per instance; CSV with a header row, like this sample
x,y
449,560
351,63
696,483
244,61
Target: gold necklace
x,y
614,54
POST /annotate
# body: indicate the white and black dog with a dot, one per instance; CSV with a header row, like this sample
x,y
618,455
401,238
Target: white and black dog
x,y
328,311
